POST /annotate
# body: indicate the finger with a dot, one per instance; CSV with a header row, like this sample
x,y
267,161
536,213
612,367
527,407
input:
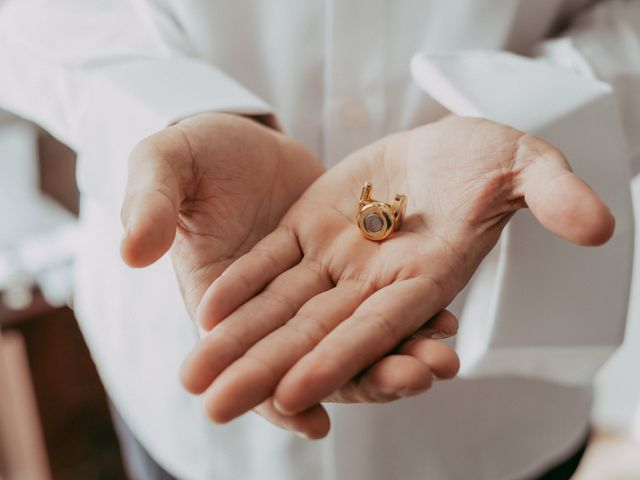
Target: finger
x,y
261,315
563,203
152,199
443,325
312,424
254,376
374,329
410,371
244,278
438,356
424,345
393,377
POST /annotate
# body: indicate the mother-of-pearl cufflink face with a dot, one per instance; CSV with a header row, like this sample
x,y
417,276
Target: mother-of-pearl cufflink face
x,y
377,220
373,223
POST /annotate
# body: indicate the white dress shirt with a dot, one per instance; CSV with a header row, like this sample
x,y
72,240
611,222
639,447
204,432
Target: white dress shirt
x,y
101,75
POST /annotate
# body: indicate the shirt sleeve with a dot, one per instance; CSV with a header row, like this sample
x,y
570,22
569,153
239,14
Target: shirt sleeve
x,y
539,307
101,76
603,43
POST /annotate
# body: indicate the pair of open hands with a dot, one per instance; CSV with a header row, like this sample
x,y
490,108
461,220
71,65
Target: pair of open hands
x,y
297,307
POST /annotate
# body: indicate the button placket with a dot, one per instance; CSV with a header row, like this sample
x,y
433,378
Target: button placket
x,y
354,77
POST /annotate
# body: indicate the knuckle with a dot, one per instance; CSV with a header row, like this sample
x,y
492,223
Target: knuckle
x,y
265,366
308,329
233,278
373,390
280,301
383,323
376,393
304,336
267,257
357,286
321,372
222,346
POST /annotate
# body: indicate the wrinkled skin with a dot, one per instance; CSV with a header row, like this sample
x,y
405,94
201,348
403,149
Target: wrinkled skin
x,y
314,303
209,188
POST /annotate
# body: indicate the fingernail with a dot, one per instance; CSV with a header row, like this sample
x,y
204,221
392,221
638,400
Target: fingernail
x,y
303,436
439,335
407,392
125,219
279,408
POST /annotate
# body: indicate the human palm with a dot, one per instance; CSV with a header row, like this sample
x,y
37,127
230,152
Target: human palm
x,y
209,188
338,302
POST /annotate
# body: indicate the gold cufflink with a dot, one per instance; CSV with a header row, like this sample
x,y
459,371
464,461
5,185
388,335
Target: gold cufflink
x,y
377,220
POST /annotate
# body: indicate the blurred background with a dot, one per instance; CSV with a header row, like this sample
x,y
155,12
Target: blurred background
x,y
54,417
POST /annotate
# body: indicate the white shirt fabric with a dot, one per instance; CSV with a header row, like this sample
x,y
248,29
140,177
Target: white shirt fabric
x,y
101,75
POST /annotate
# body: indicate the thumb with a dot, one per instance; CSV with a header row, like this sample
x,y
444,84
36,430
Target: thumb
x,y
151,205
562,202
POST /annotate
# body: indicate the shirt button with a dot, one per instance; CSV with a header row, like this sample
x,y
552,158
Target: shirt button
x,y
355,115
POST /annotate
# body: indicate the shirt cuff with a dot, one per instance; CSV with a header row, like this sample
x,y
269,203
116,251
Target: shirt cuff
x,y
587,56
538,306
177,88
123,103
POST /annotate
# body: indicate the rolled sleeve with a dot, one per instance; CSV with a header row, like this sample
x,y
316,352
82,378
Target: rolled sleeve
x,y
126,102
102,112
604,43
174,88
101,93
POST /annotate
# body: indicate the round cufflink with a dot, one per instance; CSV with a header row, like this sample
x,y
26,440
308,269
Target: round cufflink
x,y
378,220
